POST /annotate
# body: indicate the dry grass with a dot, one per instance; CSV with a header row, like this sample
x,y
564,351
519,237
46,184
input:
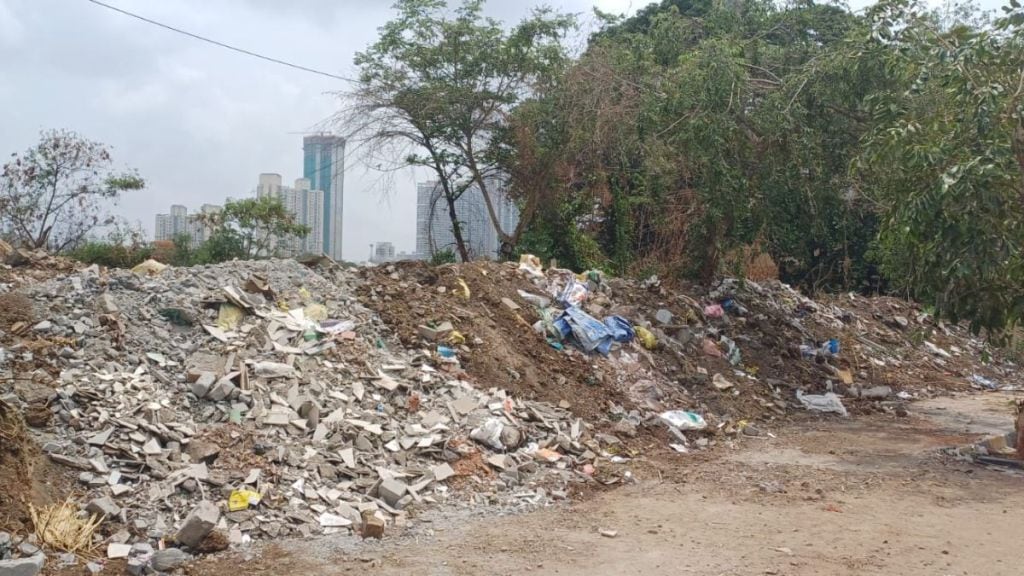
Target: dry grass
x,y
60,527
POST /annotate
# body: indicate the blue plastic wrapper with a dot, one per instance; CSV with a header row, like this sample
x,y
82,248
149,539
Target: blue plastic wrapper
x,y
588,331
620,328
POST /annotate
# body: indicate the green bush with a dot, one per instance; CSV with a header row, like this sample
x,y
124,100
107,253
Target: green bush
x,y
112,255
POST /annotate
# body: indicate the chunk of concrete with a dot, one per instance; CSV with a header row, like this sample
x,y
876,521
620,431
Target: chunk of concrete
x,y
203,451
103,507
115,550
442,472
23,566
201,387
199,523
391,491
221,390
169,559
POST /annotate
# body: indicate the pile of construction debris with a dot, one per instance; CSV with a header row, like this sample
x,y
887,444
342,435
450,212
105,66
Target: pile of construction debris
x,y
209,406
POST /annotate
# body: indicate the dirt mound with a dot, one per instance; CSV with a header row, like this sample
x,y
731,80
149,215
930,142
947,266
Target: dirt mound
x,y
735,353
14,308
501,348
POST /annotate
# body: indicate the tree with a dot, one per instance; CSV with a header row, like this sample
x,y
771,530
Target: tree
x,y
251,228
436,90
945,160
55,193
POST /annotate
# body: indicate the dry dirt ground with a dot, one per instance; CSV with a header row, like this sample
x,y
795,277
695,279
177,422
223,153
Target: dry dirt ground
x,y
871,495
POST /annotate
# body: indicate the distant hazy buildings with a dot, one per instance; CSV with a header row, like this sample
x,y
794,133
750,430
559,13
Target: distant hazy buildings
x,y
382,252
307,205
434,226
179,221
324,166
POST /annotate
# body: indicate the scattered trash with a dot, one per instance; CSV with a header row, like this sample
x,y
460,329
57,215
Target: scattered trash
x,y
827,402
149,268
609,533
243,499
720,383
984,382
531,265
646,338
714,311
683,420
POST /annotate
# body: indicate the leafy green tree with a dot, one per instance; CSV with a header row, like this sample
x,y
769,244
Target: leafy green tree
x,y
436,89
249,229
945,160
56,193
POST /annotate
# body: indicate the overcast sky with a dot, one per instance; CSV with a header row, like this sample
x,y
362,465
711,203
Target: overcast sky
x,y
200,122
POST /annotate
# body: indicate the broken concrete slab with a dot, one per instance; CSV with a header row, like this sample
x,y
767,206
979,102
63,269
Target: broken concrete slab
x,y
199,523
103,507
23,566
391,491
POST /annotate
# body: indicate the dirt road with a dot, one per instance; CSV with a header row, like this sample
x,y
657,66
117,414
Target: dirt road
x,y
862,496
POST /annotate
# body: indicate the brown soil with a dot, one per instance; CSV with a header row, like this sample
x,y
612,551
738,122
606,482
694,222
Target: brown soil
x,y
501,349
14,308
25,477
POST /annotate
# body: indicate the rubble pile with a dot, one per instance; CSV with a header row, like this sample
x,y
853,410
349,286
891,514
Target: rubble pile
x,y
737,353
247,400
202,407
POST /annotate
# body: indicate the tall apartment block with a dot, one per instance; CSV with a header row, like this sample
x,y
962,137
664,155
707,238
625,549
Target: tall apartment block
x,y
434,226
179,221
306,204
323,164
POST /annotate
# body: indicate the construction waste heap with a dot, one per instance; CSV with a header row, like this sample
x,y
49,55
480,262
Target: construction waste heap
x,y
153,415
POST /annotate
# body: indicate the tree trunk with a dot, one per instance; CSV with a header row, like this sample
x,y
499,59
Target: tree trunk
x,y
460,244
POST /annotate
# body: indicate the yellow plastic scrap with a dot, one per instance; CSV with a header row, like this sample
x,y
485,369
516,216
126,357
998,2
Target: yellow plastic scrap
x,y
465,289
305,295
646,338
242,499
455,338
229,316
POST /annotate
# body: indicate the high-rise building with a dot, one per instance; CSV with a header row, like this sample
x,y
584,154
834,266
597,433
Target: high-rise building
x,y
170,225
383,252
305,204
434,226
324,166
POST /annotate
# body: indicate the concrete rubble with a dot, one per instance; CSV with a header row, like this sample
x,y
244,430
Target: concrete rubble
x,y
192,408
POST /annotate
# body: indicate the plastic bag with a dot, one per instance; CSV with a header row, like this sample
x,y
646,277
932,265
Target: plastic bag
x,y
713,311
646,338
573,294
827,402
620,329
535,299
531,265
489,433
588,331
242,499
683,420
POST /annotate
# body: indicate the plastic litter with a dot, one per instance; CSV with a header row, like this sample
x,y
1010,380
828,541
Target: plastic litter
x,y
984,382
620,329
535,299
531,265
711,349
573,294
464,292
149,268
242,499
446,352
714,311
828,402
489,433
683,420
646,338
732,351
590,333
720,382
